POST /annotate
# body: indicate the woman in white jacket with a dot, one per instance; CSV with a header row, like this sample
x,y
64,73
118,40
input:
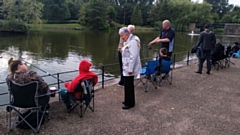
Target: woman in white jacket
x,y
131,65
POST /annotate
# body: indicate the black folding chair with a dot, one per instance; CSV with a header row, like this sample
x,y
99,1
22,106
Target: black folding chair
x,y
86,88
25,96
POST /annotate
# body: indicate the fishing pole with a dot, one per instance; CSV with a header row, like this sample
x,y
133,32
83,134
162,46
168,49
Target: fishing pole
x,y
43,71
38,68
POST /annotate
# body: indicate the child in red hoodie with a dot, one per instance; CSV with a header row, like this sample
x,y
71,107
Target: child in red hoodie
x,y
84,74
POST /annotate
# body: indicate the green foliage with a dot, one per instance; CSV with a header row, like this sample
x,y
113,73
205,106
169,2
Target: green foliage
x,y
232,16
180,13
111,13
219,6
201,13
215,17
56,9
101,14
137,16
157,25
24,12
94,14
13,26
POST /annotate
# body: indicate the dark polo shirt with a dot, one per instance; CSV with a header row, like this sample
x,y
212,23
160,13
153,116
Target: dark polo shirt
x,y
170,34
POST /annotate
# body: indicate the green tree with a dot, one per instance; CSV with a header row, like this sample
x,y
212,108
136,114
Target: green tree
x,y
111,13
28,11
219,6
136,16
180,14
233,16
94,14
56,9
201,13
215,17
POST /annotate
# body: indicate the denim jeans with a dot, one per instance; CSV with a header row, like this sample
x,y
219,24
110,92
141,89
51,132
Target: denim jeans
x,y
66,97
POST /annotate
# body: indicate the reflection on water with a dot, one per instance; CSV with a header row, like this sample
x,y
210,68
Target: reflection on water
x,y
58,51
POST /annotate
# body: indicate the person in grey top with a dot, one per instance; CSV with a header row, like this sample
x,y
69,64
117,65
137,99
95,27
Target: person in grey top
x,y
131,65
206,41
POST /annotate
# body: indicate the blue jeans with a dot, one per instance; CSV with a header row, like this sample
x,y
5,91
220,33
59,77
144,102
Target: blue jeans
x,y
66,97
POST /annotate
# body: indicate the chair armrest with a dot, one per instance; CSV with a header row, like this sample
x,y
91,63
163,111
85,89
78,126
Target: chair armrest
x,y
48,93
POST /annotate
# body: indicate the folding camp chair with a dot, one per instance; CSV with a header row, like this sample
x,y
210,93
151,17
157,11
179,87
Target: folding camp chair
x,y
166,71
86,88
26,97
237,54
149,74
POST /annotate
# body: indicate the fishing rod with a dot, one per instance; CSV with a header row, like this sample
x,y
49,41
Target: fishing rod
x,y
43,70
38,68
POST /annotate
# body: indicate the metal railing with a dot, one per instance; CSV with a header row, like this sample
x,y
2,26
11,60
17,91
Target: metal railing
x,y
104,72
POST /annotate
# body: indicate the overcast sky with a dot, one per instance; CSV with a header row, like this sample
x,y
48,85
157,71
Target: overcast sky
x,y
235,2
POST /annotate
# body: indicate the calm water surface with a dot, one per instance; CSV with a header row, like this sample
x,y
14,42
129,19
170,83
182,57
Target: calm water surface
x,y
58,51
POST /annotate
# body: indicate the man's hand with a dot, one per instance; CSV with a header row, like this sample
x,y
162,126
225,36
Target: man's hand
x,y
150,44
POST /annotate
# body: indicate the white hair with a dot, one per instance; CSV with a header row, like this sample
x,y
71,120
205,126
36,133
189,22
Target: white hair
x,y
167,22
124,30
130,27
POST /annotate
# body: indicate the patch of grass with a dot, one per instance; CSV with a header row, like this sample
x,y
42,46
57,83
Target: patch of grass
x,y
68,25
57,26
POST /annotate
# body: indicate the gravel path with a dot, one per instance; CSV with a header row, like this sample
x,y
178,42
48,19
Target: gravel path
x,y
193,105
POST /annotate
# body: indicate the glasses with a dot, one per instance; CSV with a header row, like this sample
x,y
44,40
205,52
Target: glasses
x,y
23,63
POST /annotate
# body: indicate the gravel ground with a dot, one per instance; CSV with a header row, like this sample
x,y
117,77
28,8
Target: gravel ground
x,y
195,104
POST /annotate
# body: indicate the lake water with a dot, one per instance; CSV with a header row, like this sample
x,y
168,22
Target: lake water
x,y
58,51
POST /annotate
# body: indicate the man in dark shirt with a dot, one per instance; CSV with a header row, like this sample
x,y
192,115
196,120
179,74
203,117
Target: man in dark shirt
x,y
206,41
166,37
235,48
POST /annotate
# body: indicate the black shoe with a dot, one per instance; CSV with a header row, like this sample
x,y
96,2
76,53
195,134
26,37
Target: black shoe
x,y
208,72
126,107
69,108
123,103
198,72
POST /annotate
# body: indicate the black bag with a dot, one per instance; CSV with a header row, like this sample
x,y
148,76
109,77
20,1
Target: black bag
x,y
31,119
194,49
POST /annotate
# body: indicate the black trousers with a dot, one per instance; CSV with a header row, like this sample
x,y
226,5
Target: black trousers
x,y
129,95
169,54
121,82
207,56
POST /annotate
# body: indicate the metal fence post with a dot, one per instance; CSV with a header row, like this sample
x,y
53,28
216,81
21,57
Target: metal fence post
x,y
188,58
102,76
58,83
174,59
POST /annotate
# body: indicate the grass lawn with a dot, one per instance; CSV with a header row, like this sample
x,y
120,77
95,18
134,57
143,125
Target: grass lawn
x,y
68,25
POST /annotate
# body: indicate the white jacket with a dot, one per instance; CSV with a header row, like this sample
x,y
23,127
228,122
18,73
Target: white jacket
x,y
131,57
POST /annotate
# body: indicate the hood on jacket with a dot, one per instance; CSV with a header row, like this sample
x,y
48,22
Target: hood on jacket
x,y
84,66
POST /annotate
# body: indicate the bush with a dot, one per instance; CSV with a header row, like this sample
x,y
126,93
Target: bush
x,y
13,26
157,25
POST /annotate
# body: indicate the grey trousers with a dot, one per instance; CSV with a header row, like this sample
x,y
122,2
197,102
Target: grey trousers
x,y
207,56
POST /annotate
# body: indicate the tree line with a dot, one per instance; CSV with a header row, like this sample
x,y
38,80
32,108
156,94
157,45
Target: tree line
x,y
105,14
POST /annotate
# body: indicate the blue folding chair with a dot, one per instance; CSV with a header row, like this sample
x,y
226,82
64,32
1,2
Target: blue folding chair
x,y
149,74
237,54
166,71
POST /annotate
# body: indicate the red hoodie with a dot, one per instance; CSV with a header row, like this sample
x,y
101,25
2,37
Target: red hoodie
x,y
84,73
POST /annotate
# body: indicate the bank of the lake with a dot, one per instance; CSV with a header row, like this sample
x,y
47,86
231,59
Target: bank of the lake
x,y
76,26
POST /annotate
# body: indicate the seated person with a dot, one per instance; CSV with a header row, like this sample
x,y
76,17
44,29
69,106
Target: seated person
x,y
21,75
84,73
235,48
162,56
218,51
